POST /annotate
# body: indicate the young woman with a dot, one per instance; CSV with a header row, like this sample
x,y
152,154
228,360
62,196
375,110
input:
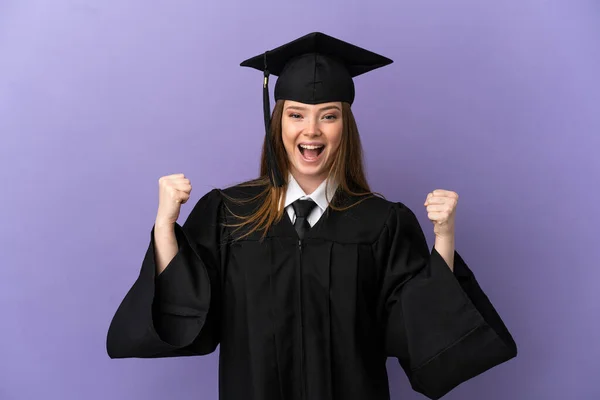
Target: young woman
x,y
306,279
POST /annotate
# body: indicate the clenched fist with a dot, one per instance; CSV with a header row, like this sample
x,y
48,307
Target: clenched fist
x,y
173,191
441,210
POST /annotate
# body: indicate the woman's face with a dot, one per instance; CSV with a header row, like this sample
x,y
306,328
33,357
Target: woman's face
x,y
311,137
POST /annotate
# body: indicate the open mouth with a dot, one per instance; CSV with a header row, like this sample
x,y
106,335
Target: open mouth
x,y
310,152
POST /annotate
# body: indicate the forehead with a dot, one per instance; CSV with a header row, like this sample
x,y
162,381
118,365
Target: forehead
x,y
304,106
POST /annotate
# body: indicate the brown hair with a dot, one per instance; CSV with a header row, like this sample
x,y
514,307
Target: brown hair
x,y
347,170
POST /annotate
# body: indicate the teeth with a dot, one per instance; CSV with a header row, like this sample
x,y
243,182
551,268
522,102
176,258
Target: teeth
x,y
310,147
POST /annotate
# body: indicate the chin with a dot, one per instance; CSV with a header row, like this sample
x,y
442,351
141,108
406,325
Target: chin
x,y
310,173
317,172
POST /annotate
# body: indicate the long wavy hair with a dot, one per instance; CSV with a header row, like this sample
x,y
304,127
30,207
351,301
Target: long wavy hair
x,y
347,169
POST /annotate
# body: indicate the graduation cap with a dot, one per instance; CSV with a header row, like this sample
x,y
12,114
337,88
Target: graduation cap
x,y
313,69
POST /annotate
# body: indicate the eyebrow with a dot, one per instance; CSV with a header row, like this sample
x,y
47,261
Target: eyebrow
x,y
321,109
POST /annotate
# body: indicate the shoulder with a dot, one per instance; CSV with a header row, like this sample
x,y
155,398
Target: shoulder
x,y
244,198
377,208
218,198
245,190
367,219
218,206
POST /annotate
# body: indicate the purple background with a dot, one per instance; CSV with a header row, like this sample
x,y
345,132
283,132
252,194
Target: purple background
x,y
499,101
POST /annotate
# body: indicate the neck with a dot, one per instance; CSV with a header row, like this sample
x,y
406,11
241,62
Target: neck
x,y
308,183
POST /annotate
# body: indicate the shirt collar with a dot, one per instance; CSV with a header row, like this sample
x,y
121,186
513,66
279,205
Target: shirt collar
x,y
320,196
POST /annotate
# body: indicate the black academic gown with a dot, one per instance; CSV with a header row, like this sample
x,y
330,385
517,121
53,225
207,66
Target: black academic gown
x,y
312,320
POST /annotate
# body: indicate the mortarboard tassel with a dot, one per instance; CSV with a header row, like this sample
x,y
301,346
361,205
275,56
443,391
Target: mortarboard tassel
x,y
273,170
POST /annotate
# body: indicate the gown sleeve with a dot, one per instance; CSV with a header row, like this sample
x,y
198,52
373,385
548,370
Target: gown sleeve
x,y
176,313
439,324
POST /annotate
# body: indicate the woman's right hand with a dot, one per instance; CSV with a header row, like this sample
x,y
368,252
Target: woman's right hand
x,y
173,191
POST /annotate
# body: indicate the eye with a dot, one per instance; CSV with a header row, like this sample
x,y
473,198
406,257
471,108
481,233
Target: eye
x,y
295,115
330,117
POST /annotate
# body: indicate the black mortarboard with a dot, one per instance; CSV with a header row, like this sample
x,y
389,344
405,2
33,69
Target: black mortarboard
x,y
313,69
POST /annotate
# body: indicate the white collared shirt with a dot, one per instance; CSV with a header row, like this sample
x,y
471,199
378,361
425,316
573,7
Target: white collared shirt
x,y
320,196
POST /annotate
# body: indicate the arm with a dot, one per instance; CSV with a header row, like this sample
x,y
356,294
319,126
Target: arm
x,y
177,312
436,321
165,245
445,247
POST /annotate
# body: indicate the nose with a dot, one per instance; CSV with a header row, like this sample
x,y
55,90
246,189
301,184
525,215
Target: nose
x,y
312,128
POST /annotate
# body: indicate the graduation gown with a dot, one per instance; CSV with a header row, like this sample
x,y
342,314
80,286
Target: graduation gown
x,y
313,319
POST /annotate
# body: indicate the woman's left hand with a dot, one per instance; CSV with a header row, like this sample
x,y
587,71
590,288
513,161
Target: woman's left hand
x,y
441,210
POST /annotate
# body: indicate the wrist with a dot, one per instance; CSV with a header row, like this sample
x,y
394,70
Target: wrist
x,y
444,245
446,238
163,226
